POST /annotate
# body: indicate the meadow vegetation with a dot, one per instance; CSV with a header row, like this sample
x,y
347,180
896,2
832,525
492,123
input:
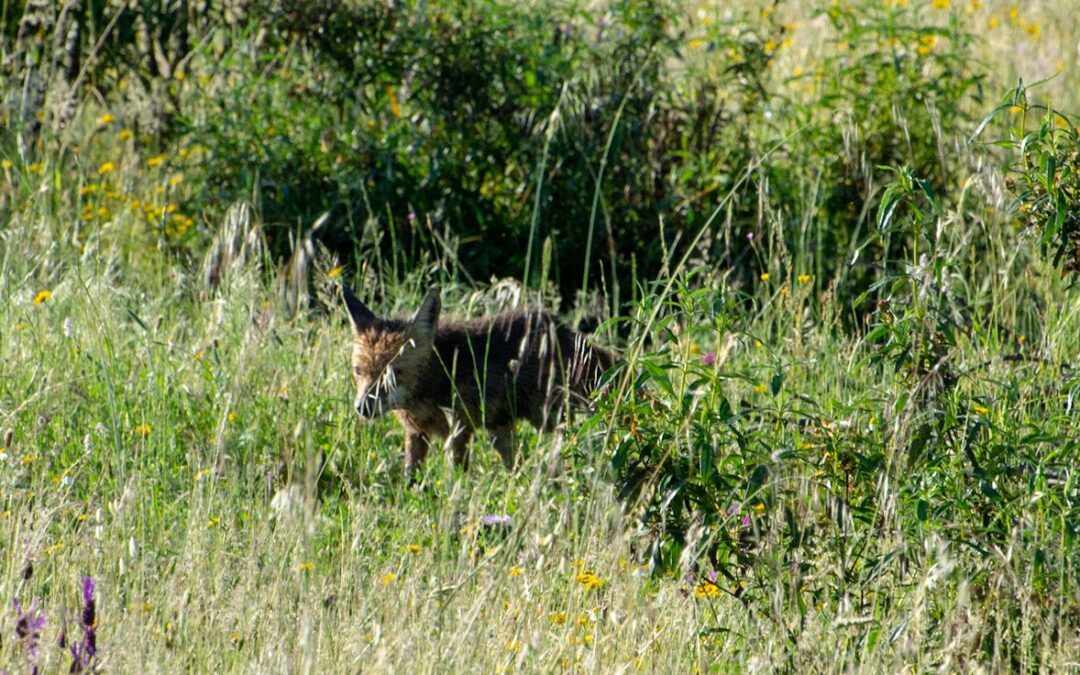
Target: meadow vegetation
x,y
835,243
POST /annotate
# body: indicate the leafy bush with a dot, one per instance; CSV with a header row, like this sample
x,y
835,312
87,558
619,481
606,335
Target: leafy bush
x,y
491,125
1046,182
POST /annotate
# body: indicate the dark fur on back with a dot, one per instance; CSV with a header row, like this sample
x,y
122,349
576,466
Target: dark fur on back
x,y
517,365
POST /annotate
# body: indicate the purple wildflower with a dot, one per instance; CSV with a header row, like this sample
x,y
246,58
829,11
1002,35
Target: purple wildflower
x,y
28,627
89,618
495,521
708,358
733,509
711,576
82,653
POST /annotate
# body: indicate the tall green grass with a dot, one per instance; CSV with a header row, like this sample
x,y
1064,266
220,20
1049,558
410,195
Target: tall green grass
x,y
803,463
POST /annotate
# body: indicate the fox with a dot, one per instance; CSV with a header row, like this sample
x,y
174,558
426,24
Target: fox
x,y
450,378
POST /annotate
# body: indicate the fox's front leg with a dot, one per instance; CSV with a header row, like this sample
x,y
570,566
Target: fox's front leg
x,y
420,426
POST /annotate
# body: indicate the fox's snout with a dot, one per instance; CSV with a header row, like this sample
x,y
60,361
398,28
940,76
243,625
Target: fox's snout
x,y
368,406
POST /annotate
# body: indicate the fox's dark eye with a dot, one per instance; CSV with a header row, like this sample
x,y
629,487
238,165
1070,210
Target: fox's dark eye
x,y
356,371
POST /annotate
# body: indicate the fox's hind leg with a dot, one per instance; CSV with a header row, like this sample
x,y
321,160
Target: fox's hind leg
x,y
502,437
459,445
416,449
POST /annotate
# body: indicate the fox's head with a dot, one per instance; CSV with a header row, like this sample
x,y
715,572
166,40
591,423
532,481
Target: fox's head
x,y
389,354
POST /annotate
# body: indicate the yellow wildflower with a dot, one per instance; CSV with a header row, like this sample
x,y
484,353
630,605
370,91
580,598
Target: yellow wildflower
x,y
770,46
927,44
413,548
156,161
761,388
107,167
979,409
106,118
6,164
305,566
334,272
558,618
36,167
784,291
213,522
696,43
804,278
144,429
126,134
940,4
706,589
515,571
590,580
395,107
764,276
388,579
42,297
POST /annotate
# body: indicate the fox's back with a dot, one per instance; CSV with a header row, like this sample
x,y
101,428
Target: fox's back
x,y
514,365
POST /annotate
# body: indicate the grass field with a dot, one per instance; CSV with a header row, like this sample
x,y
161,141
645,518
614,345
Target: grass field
x,y
782,476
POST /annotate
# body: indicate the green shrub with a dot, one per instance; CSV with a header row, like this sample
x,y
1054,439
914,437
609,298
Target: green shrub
x,y
486,125
1046,176
897,85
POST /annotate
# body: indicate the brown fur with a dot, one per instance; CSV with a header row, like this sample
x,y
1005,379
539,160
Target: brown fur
x,y
446,379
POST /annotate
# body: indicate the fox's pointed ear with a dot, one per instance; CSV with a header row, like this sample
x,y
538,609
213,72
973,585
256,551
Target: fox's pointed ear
x,y
359,314
427,317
